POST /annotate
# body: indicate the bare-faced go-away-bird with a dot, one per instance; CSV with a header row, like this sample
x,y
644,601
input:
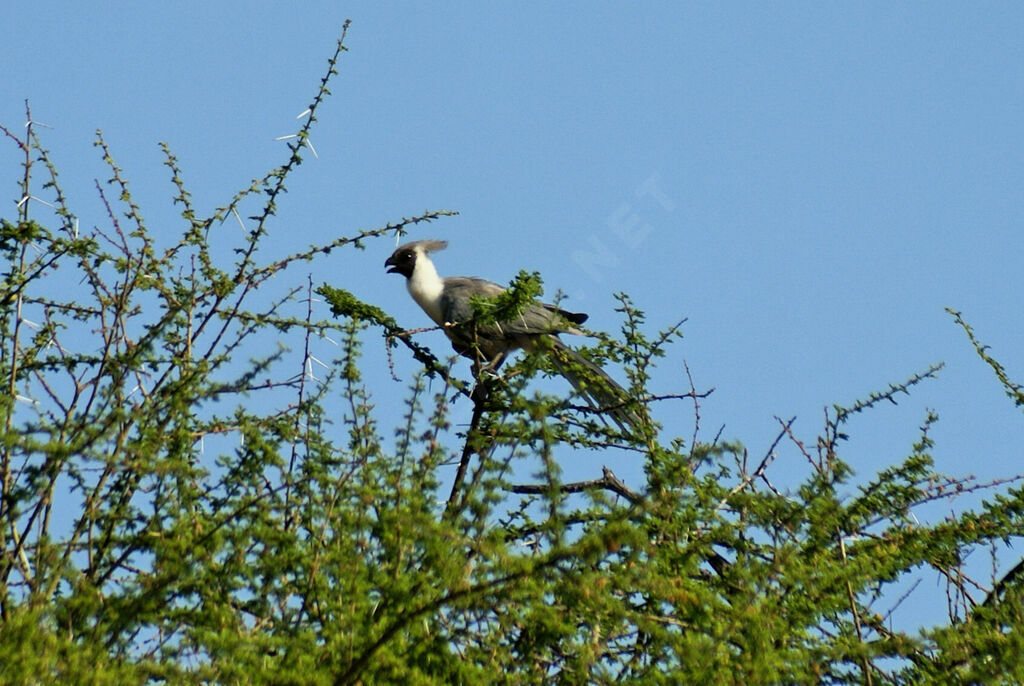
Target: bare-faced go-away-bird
x,y
449,303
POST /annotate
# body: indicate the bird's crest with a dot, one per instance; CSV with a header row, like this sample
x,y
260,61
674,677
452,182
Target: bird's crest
x,y
427,246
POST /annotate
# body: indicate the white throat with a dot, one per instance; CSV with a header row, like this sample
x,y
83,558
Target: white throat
x,y
425,287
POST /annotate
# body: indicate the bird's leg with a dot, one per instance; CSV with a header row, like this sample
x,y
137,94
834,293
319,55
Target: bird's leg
x,y
485,374
483,366
492,366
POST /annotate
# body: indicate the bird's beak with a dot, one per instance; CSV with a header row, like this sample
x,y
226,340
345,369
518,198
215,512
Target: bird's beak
x,y
390,262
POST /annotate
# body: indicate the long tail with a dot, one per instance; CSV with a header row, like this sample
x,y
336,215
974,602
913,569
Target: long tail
x,y
604,394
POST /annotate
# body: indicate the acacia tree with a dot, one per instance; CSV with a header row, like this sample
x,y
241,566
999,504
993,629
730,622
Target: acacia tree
x,y
184,501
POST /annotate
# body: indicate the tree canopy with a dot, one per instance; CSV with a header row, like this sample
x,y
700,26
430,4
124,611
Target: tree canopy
x,y
184,500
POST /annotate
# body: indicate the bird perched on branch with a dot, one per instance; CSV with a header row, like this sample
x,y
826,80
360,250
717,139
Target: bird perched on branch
x,y
535,326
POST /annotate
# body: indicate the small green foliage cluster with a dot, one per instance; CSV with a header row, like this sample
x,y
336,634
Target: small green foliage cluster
x,y
525,289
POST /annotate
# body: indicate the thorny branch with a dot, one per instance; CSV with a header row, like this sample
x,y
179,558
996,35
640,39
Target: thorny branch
x,y
608,482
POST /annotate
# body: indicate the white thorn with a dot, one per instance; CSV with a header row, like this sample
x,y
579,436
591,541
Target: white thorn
x,y
239,218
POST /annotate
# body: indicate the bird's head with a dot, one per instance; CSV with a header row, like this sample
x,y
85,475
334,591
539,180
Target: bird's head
x,y
403,260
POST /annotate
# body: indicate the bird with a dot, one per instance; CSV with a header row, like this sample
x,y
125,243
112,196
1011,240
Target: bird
x,y
448,301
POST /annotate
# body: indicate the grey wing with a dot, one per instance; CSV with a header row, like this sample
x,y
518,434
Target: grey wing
x,y
482,343
456,306
535,319
540,319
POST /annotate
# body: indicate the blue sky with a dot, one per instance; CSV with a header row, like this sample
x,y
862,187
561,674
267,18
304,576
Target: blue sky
x,y
808,184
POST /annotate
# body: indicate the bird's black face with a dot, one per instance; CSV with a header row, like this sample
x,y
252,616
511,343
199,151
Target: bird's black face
x,y
402,261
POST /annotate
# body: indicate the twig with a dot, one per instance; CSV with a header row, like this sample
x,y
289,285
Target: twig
x,y
608,482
